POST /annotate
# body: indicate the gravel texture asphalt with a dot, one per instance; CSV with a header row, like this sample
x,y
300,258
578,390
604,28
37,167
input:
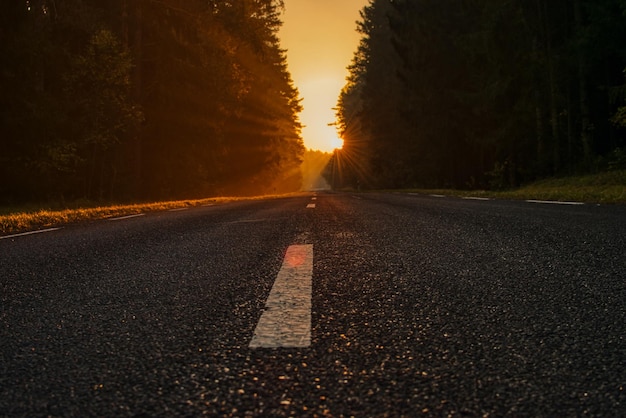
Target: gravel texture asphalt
x,y
421,306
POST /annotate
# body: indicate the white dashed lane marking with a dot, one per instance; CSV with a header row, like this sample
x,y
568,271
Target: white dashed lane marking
x,y
41,231
310,206
476,198
286,321
121,218
554,202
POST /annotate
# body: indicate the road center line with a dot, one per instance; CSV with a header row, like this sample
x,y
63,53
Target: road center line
x,y
310,206
286,321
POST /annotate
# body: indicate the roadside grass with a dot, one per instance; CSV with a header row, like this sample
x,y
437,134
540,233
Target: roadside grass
x,y
607,188
16,220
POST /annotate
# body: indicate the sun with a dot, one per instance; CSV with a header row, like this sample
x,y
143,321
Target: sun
x,y
336,142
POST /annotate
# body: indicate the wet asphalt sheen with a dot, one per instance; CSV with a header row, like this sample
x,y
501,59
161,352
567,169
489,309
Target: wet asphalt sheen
x,y
421,306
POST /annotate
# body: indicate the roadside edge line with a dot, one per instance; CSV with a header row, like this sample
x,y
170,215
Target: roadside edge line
x,y
121,218
41,231
555,202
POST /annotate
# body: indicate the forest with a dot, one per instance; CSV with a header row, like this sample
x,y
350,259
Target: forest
x,y
127,100
482,93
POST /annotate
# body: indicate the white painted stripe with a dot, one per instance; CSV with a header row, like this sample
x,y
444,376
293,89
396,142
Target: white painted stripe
x,y
310,206
30,233
314,198
555,202
121,218
476,198
178,209
437,195
286,321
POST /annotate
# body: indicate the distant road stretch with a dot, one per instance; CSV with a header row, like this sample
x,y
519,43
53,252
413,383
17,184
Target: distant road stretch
x,y
320,305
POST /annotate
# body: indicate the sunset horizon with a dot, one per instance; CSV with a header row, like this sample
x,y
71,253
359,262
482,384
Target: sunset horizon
x,y
318,56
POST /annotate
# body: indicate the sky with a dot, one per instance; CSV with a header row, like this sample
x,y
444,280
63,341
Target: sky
x,y
320,38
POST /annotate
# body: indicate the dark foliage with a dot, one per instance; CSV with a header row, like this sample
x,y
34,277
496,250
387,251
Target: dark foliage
x,y
485,93
145,99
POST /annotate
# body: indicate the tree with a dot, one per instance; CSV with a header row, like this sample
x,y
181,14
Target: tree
x,y
66,91
218,106
477,93
98,88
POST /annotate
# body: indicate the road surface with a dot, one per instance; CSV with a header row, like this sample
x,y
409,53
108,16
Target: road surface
x,y
416,305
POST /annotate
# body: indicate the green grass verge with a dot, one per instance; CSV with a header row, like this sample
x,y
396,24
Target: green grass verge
x,y
14,220
607,188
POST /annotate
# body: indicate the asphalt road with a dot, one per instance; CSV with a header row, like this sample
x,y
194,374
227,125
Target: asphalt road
x,y
420,306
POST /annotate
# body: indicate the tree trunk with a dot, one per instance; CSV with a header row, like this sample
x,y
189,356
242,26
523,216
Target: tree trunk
x,y
585,129
136,46
554,114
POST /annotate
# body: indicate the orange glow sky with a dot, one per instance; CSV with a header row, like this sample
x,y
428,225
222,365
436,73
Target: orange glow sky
x,y
320,38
